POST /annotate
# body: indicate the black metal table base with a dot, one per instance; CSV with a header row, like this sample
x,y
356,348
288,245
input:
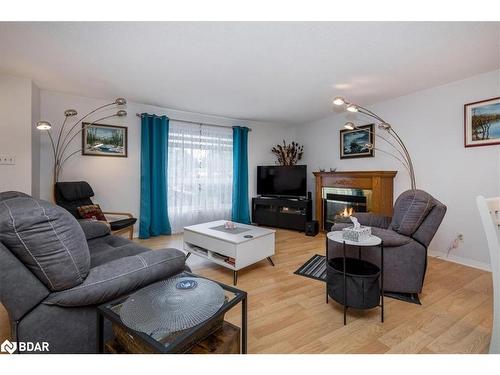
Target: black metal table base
x,y
270,261
345,305
244,325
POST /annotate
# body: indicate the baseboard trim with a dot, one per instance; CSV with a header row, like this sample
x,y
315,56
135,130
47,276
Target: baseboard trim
x,y
460,260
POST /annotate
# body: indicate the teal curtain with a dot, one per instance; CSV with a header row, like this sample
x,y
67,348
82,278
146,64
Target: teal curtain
x,y
154,162
240,210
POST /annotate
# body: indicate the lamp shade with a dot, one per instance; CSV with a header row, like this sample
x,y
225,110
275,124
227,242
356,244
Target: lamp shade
x,y
349,126
338,100
43,125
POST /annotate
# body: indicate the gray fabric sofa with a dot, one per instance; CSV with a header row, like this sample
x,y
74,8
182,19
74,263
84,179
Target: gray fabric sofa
x,y
54,271
406,237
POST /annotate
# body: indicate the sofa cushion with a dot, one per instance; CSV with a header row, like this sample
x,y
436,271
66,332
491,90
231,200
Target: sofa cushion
x,y
108,248
121,276
391,238
94,229
410,210
47,239
4,195
372,220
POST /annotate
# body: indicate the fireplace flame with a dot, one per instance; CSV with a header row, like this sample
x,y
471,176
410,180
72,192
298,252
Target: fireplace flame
x,y
347,212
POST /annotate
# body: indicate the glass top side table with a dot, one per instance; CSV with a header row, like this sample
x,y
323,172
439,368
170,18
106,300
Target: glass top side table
x,y
171,342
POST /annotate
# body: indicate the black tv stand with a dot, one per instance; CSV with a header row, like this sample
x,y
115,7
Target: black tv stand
x,y
287,213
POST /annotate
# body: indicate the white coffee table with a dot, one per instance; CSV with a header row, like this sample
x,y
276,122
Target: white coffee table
x,y
231,248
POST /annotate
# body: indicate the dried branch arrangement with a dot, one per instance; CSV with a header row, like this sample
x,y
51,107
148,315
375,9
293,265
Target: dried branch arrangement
x,y
288,154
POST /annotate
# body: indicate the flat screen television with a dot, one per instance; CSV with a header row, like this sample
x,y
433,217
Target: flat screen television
x,y
282,181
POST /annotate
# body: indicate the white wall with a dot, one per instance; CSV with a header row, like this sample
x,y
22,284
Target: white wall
x,y
35,141
116,181
431,124
16,129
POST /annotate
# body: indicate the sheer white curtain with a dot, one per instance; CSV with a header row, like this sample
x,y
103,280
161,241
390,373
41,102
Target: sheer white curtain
x,y
200,174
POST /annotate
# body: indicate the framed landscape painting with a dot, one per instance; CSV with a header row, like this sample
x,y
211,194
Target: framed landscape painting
x,y
482,123
104,140
353,143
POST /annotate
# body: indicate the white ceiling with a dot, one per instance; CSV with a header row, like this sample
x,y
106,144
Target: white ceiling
x,y
275,72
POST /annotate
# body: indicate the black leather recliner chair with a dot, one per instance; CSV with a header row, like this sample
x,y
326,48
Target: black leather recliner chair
x,y
71,195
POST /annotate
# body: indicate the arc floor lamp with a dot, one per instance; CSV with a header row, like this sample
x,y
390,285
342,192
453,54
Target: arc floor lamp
x,y
403,156
64,137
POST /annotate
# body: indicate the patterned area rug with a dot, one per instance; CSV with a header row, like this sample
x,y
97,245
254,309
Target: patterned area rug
x,y
315,268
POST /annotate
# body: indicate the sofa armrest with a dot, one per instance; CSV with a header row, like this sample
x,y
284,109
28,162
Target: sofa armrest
x,y
391,238
94,229
121,276
373,220
20,289
127,214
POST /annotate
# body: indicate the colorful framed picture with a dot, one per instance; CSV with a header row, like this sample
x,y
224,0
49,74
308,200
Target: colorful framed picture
x,y
482,123
353,143
104,140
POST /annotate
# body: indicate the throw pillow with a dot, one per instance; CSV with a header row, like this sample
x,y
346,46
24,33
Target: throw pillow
x,y
91,211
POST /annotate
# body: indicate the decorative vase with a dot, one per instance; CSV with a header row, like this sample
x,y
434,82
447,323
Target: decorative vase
x,y
288,154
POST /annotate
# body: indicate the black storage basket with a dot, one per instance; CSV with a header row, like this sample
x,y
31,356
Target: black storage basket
x,y
362,282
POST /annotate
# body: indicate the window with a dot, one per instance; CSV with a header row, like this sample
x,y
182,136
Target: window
x,y
200,174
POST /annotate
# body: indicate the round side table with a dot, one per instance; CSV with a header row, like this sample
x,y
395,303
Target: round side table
x,y
370,242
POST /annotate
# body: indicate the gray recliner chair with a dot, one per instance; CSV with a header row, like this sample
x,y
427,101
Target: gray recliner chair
x,y
54,271
406,237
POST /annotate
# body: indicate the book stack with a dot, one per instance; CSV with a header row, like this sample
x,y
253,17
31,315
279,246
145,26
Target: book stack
x,y
228,260
197,249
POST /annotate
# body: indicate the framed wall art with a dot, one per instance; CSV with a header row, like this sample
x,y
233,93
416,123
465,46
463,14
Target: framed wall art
x,y
353,143
482,123
104,140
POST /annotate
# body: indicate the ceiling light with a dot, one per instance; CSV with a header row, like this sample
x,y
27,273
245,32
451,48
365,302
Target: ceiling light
x,y
120,101
339,100
369,146
43,125
121,113
352,108
350,126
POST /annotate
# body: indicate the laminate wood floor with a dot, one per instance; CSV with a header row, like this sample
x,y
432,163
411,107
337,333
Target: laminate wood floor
x,y
287,313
